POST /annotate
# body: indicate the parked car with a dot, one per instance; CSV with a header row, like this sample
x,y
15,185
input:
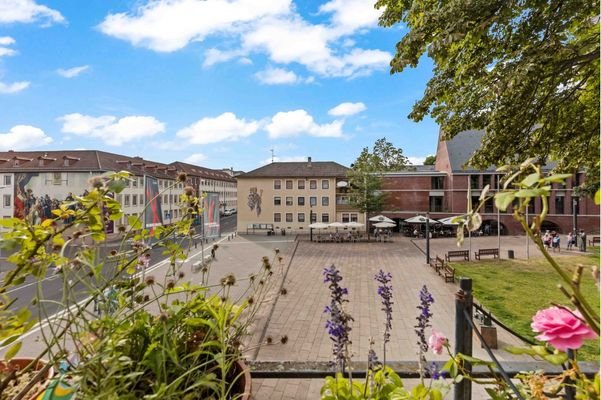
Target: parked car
x,y
230,211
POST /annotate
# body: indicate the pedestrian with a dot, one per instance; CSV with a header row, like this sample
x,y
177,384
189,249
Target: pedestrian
x,y
569,240
555,242
547,240
214,250
582,240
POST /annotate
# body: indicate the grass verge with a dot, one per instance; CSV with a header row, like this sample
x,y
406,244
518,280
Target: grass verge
x,y
513,290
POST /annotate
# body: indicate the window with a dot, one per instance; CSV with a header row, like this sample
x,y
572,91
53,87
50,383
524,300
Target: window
x,y
289,217
313,217
126,200
289,201
475,202
135,182
277,217
7,202
313,184
301,217
134,200
165,199
325,217
354,218
141,199
166,212
57,177
7,179
300,201
345,218
325,184
325,201
289,185
559,204
438,182
277,201
436,203
300,183
277,184
312,201
488,180
488,206
531,208
475,181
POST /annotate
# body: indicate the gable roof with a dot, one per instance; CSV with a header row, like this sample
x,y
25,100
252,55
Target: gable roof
x,y
461,148
305,169
205,173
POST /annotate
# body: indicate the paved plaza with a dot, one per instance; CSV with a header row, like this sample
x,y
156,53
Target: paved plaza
x,y
299,315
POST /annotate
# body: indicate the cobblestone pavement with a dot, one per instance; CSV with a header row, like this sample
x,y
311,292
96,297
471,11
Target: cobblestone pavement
x,y
299,315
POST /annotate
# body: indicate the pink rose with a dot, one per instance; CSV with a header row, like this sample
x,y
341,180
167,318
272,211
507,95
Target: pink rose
x,y
437,341
563,329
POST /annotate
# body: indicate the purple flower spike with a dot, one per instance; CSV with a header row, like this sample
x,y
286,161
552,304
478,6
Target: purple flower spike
x,y
339,324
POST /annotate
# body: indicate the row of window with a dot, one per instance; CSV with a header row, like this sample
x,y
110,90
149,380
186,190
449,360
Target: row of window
x,y
300,201
300,184
325,217
134,199
436,205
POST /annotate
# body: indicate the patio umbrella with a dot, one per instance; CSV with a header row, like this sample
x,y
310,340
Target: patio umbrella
x,y
381,218
354,224
420,219
318,225
451,220
385,225
337,225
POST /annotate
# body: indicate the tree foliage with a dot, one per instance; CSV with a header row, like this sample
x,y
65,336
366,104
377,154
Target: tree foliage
x,y
430,160
527,72
365,175
384,158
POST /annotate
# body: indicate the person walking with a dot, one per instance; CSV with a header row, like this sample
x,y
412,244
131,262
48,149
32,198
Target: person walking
x,y
556,243
569,241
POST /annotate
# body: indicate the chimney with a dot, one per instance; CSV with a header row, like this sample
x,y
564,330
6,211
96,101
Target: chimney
x,y
309,162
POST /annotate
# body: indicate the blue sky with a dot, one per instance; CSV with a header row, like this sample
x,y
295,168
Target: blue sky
x,y
215,83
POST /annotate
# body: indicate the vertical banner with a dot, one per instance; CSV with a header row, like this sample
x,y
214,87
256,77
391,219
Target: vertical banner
x,y
153,215
211,215
24,199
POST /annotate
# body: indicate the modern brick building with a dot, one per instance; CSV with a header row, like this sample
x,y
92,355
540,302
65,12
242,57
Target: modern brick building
x,y
442,190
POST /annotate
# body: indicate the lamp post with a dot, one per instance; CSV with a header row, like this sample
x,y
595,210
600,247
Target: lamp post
x,y
575,212
427,238
310,219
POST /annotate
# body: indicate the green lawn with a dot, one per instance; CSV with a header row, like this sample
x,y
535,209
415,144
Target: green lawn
x,y
513,290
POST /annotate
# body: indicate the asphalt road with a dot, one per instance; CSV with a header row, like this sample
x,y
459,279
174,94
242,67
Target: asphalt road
x,y
51,286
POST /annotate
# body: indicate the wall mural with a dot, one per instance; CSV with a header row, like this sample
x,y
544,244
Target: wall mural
x,y
254,200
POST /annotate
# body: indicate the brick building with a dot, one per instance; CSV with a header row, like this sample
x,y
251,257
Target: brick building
x,y
442,190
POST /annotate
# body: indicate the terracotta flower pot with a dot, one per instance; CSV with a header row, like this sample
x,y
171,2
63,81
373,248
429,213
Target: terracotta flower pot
x,y
244,383
21,363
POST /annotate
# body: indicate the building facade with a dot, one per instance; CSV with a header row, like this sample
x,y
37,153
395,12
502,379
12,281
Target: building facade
x,y
291,195
442,190
210,180
34,183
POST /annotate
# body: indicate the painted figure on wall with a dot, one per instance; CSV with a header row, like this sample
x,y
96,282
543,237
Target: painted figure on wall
x,y
254,200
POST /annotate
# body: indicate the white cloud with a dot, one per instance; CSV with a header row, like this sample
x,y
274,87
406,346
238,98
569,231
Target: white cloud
x,y
293,40
277,76
15,87
27,11
270,27
72,72
347,109
196,158
22,137
111,130
350,15
170,25
417,160
4,50
212,130
298,122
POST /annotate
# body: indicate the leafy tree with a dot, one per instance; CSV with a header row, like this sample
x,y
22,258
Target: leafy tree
x,y
430,160
365,175
527,72
384,158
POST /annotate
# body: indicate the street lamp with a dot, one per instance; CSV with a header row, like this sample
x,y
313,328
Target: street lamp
x,y
310,219
575,212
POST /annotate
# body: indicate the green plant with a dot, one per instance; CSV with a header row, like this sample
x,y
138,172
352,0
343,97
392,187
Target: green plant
x,y
132,335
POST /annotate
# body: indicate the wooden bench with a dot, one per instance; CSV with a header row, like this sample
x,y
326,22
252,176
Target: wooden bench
x,y
486,252
437,263
465,254
449,273
595,241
